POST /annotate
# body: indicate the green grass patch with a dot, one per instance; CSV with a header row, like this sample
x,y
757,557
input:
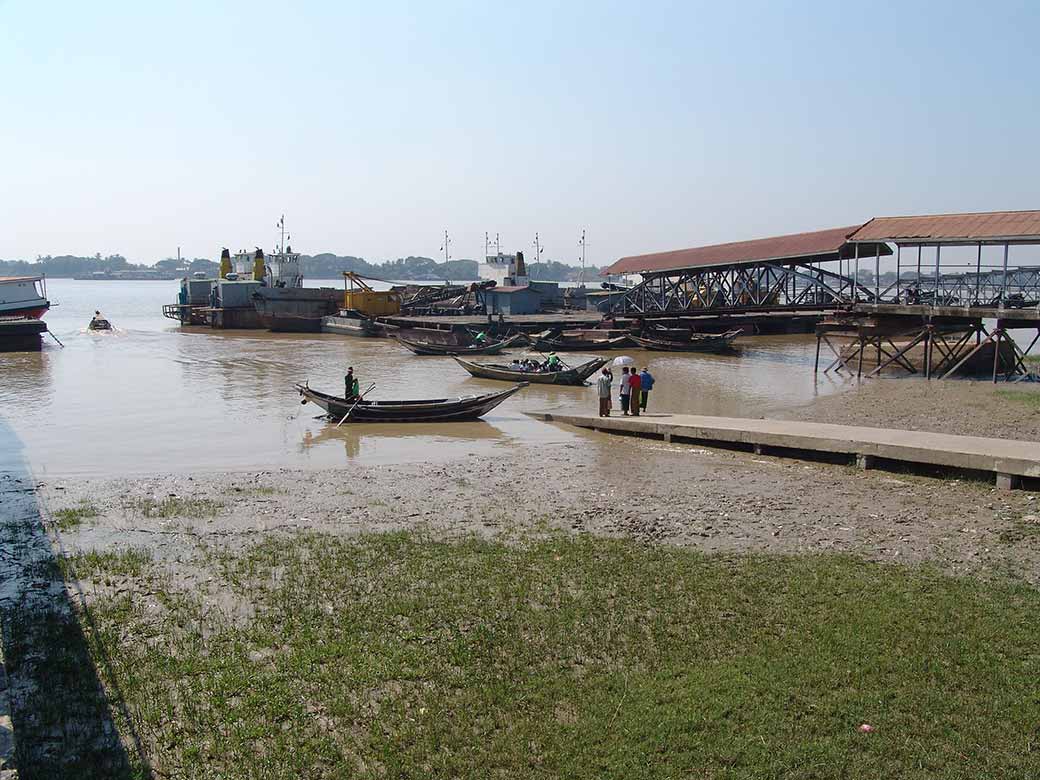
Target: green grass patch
x,y
69,518
1025,397
398,656
175,506
1021,531
93,565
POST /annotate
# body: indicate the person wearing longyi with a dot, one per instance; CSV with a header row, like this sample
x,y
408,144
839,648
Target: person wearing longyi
x,y
636,391
625,390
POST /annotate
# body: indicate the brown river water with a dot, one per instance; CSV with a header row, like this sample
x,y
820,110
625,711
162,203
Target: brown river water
x,y
153,397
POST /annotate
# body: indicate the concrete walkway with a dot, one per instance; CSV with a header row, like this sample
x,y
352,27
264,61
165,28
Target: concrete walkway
x,y
1008,459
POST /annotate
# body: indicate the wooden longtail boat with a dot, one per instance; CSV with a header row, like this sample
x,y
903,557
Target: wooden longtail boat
x,y
697,342
565,343
469,407
569,376
430,348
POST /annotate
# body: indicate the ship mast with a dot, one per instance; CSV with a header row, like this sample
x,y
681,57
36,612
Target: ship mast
x,y
581,276
281,226
447,243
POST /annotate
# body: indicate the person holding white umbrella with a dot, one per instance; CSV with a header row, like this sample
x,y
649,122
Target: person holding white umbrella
x,y
625,389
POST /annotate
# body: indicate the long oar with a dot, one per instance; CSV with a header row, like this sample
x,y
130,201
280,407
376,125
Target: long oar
x,y
355,404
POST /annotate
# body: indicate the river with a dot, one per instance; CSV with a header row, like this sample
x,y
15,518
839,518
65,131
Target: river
x,y
153,397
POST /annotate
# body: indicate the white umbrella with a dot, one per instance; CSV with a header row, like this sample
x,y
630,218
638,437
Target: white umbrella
x,y
623,360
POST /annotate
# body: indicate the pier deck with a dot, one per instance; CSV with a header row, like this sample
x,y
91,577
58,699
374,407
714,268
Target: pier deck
x,y
1009,460
525,322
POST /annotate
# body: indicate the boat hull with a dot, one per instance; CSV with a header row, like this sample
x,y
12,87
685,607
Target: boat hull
x,y
581,345
430,348
571,376
706,342
426,411
350,326
296,309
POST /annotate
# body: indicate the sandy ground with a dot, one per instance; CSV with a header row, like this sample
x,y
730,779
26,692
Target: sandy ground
x,y
715,501
966,408
712,500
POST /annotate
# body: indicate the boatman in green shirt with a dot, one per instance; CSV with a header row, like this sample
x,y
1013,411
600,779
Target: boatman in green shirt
x,y
350,384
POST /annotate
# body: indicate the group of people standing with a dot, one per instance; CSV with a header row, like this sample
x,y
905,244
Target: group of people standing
x,y
633,390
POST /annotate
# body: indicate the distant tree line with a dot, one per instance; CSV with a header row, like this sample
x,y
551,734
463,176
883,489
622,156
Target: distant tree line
x,y
321,266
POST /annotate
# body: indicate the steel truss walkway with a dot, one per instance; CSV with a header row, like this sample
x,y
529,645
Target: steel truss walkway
x,y
771,286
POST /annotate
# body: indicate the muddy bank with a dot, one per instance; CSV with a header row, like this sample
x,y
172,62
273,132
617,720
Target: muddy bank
x,y
967,408
711,500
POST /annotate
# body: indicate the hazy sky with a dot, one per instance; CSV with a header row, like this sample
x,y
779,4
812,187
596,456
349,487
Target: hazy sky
x,y
135,127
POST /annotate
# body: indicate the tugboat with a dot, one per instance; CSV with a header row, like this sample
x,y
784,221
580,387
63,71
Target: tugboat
x,y
283,303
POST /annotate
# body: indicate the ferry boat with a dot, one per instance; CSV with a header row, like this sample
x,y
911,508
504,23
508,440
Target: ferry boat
x,y
23,296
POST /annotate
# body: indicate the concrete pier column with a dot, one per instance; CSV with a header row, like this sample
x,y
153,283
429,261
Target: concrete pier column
x,y
1007,481
864,462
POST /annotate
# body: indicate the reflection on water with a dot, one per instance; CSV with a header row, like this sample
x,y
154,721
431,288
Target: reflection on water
x,y
156,397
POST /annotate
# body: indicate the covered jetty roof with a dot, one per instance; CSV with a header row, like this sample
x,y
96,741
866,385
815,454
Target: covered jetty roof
x,y
816,245
995,226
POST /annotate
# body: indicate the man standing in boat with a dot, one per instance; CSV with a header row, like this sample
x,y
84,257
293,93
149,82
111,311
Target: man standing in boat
x,y
350,383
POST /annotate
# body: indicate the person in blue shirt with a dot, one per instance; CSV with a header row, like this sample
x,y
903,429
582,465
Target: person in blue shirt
x,y
646,385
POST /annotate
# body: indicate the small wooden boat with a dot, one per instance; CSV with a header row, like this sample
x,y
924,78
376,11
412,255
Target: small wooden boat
x,y
98,323
469,407
548,341
695,342
568,376
432,348
350,323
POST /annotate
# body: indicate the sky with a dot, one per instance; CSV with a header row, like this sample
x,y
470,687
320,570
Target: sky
x,y
135,128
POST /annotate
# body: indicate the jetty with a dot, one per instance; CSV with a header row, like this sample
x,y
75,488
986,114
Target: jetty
x,y
21,334
1007,459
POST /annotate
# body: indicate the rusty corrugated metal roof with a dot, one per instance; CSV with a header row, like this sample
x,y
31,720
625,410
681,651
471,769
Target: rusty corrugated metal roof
x,y
819,242
983,226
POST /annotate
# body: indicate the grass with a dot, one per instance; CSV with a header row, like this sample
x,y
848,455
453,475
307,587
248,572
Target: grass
x,y
71,517
1028,398
124,563
398,656
1021,531
175,506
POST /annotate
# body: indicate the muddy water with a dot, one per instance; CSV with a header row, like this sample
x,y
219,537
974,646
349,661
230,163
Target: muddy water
x,y
155,397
